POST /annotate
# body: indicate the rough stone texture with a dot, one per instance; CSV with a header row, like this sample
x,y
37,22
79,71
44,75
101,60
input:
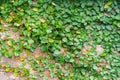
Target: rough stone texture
x,y
38,52
99,49
16,62
10,61
117,53
9,76
13,35
2,35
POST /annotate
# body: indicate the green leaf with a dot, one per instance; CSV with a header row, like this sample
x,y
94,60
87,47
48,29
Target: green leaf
x,y
107,5
64,39
67,29
30,41
56,52
71,60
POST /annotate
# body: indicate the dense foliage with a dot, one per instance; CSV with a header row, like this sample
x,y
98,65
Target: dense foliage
x,y
71,25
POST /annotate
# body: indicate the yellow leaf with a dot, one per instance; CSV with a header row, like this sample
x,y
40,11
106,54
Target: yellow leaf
x,y
27,78
71,74
88,52
20,9
2,29
54,4
16,74
36,56
50,40
7,69
42,20
77,32
35,9
9,43
29,28
22,58
17,24
31,68
12,1
108,4
3,6
10,19
3,65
